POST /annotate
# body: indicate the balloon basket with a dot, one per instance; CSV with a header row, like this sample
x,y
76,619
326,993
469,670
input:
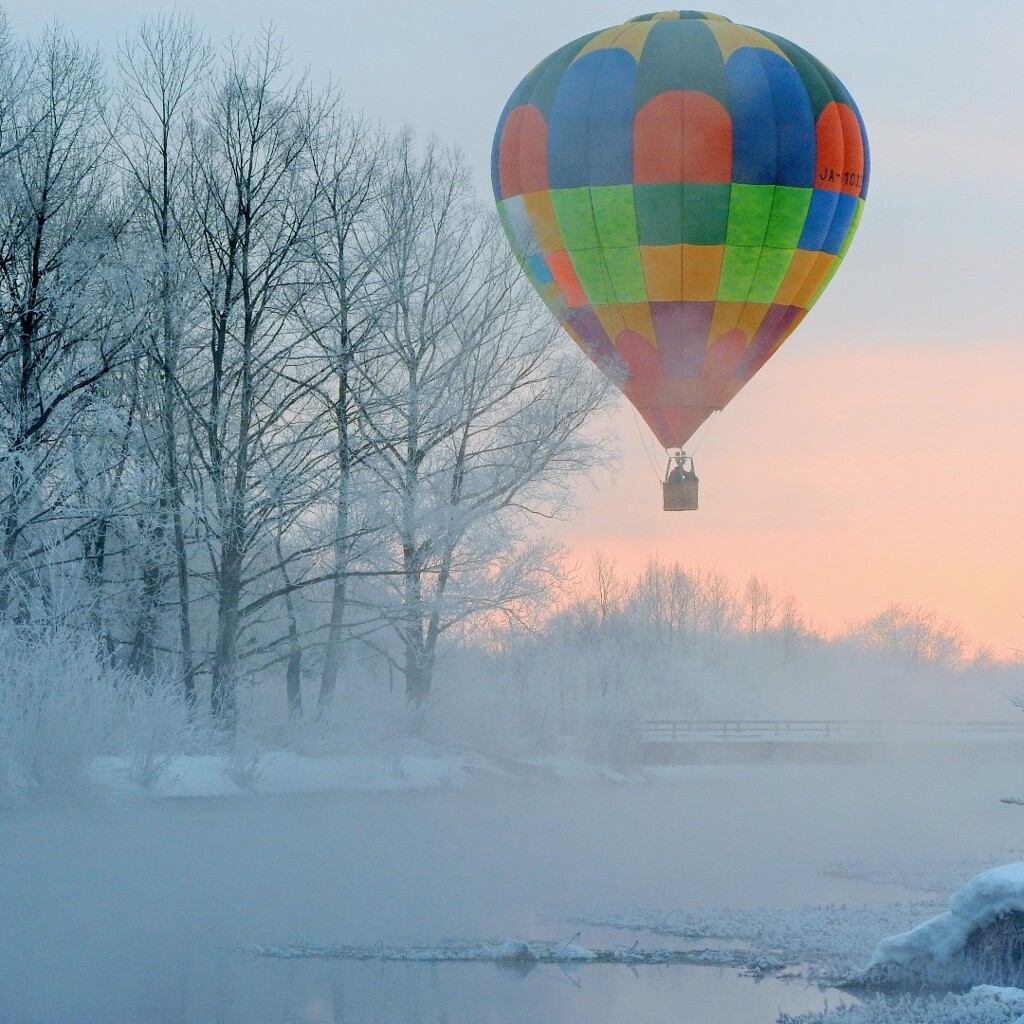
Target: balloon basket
x,y
680,497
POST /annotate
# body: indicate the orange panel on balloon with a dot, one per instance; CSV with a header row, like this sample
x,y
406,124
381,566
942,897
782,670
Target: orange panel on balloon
x,y
840,151
682,136
565,274
523,154
611,319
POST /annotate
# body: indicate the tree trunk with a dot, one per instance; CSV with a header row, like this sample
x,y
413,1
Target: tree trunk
x,y
333,650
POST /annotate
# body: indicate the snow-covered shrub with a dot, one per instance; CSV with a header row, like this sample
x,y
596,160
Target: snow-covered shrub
x,y
62,705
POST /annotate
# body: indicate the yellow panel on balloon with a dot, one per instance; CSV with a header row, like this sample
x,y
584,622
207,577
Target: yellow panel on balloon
x,y
824,264
725,318
541,213
663,270
631,38
732,37
702,268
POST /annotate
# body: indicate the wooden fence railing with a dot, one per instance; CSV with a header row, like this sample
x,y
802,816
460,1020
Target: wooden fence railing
x,y
688,730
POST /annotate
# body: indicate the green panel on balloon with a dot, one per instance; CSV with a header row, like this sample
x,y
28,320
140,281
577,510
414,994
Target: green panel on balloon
x,y
682,214
626,272
750,210
739,265
614,214
771,269
678,57
789,212
575,218
590,269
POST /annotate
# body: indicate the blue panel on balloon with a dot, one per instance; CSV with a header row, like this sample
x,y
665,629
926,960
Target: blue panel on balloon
x,y
794,120
569,122
610,121
540,269
819,220
754,132
846,207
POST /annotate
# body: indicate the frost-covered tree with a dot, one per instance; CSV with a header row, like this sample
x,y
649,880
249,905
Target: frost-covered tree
x,y
64,321
481,411
163,71
914,635
250,205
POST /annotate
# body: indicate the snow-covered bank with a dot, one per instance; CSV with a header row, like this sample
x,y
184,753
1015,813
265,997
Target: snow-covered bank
x,y
985,1004
282,772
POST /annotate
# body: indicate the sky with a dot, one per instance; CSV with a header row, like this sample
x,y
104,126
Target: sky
x,y
877,457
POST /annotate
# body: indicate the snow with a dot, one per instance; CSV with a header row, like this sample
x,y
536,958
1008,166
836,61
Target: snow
x,y
520,952
826,943
984,1004
284,772
981,901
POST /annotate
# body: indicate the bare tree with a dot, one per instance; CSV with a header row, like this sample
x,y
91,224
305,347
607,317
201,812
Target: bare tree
x,y
481,410
339,312
249,194
62,315
914,635
759,607
609,586
163,71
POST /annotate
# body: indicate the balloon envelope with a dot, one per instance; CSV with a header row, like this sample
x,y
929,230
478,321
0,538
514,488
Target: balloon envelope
x,y
680,189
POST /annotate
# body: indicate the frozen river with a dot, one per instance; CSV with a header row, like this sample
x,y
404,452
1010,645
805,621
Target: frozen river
x,y
133,911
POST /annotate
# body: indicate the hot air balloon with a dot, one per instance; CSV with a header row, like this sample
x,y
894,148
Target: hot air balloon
x,y
680,189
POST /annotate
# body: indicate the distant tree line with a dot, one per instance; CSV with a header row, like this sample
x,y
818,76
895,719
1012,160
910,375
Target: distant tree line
x,y
698,610
272,388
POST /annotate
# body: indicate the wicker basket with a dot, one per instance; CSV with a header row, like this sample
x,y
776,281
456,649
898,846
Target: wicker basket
x,y
680,497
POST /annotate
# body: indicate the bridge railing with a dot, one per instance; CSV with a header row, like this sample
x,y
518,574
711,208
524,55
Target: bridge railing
x,y
693,730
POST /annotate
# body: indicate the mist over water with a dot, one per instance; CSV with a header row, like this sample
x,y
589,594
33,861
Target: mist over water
x,y
126,911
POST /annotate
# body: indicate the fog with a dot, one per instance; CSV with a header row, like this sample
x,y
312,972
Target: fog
x,y
115,910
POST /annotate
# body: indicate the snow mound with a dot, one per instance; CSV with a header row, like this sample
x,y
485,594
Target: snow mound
x,y
980,937
516,951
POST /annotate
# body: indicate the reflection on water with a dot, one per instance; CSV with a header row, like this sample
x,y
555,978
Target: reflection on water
x,y
331,992
130,914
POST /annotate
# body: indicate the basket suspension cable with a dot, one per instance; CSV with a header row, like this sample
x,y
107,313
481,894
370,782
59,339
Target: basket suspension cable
x,y
645,443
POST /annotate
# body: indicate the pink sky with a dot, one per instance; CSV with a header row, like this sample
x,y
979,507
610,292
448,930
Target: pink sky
x,y
851,476
857,469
